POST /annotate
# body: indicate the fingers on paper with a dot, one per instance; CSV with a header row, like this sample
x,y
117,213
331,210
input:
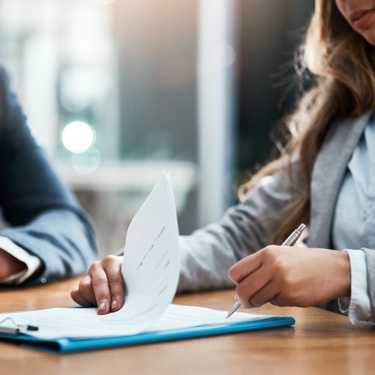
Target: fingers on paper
x,y
107,284
84,295
102,286
112,265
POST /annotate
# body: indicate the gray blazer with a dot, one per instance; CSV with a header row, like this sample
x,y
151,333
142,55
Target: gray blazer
x,y
249,226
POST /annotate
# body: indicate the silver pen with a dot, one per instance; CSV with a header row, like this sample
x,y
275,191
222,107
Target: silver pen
x,y
290,241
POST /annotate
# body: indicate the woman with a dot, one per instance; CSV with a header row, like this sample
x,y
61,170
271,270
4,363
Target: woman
x,y
323,180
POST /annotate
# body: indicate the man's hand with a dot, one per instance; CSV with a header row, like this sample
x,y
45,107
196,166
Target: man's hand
x,y
291,276
9,265
102,286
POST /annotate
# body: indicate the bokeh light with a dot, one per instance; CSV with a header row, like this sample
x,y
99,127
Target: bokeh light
x,y
77,137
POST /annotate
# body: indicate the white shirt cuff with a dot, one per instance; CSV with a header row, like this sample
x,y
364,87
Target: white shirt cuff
x,y
357,307
32,262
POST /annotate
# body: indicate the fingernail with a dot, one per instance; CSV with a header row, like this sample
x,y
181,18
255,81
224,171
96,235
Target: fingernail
x,y
114,305
102,307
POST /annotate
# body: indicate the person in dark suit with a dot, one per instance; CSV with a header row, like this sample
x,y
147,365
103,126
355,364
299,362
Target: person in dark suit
x,y
46,236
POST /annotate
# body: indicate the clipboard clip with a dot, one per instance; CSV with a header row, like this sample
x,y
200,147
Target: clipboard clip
x,y
16,329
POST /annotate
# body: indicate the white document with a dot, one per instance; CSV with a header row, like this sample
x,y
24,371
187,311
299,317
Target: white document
x,y
151,266
85,322
150,269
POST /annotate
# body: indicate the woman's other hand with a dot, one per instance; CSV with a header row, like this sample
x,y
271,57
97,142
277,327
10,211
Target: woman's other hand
x,y
102,286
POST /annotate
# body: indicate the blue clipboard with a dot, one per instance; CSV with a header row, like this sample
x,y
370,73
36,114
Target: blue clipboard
x,y
67,345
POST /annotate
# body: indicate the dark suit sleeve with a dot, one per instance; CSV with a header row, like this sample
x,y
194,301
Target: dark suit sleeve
x,y
43,216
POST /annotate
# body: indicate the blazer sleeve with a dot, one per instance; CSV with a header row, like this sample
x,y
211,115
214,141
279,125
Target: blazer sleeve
x,y
208,253
41,214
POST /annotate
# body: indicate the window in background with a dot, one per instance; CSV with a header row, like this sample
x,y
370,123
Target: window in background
x,y
112,91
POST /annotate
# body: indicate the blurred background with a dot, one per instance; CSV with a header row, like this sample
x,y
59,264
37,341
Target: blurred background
x,y
117,91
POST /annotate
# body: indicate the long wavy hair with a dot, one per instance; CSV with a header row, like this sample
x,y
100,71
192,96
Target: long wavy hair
x,y
338,66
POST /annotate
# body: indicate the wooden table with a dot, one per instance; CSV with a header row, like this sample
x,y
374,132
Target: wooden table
x,y
320,343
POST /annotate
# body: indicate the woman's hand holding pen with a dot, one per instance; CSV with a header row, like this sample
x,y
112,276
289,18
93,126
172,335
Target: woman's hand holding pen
x,y
291,276
102,286
282,275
